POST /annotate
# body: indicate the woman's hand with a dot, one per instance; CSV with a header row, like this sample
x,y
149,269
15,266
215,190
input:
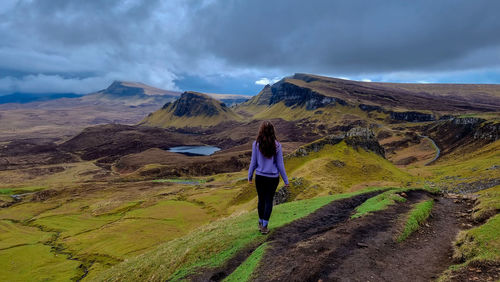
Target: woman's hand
x,y
287,185
250,182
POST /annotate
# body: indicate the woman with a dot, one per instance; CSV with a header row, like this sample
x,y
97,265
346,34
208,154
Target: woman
x,y
267,162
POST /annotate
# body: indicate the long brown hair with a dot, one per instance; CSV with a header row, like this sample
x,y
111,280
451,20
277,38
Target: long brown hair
x,y
267,139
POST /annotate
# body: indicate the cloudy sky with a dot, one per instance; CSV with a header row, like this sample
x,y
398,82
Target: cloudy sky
x,y
231,46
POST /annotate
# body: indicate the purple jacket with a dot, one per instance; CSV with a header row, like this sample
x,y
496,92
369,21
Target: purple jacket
x,y
270,167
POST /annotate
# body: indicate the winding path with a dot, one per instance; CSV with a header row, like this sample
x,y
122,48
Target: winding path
x,y
438,151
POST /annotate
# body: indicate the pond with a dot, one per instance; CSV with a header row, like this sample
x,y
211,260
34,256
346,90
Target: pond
x,y
194,150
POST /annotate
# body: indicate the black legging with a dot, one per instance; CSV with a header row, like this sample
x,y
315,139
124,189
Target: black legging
x,y
266,187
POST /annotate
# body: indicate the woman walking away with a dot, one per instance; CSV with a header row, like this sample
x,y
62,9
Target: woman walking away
x,y
267,162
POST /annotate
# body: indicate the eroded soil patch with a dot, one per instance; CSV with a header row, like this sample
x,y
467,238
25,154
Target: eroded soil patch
x,y
364,249
318,222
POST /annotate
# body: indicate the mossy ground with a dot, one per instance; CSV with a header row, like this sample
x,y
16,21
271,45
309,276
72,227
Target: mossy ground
x,y
479,244
379,202
417,215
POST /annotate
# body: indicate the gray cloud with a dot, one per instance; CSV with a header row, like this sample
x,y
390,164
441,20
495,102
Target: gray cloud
x,y
351,36
84,45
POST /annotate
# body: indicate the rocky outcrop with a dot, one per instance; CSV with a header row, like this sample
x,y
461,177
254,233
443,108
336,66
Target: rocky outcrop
x,y
356,137
263,98
488,132
281,196
467,120
370,108
364,138
412,116
466,133
317,145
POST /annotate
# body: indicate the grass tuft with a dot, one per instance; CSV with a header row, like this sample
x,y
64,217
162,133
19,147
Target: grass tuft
x,y
379,202
480,244
418,214
245,270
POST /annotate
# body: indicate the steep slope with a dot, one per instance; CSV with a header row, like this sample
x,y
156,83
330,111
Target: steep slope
x,y
190,110
399,101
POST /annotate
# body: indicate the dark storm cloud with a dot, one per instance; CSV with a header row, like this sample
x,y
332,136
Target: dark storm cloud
x,y
352,36
81,46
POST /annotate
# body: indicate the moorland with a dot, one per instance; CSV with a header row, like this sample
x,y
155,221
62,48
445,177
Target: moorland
x,y
389,181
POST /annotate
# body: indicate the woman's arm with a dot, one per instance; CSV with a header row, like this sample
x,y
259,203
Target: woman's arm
x,y
253,163
280,164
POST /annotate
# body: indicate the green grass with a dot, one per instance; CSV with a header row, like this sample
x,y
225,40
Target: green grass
x,y
244,272
180,181
20,190
489,203
336,168
25,211
6,191
37,263
418,214
379,202
481,243
211,245
14,234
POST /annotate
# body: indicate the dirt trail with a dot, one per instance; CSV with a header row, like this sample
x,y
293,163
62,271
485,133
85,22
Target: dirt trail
x,y
365,250
322,220
328,246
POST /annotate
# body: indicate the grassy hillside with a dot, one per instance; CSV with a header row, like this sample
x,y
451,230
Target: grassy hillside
x,y
478,247
209,246
341,168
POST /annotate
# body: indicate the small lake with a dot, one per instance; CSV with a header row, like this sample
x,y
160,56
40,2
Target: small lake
x,y
194,150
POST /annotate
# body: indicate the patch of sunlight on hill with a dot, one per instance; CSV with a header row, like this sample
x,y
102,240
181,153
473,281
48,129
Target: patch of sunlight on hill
x,y
481,164
336,168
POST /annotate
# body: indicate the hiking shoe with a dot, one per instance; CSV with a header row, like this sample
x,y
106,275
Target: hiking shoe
x,y
260,226
264,230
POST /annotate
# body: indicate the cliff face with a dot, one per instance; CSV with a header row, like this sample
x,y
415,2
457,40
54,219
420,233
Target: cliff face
x,y
412,116
294,95
314,92
463,133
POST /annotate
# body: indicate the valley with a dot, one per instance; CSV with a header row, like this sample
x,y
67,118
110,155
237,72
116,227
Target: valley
x,y
90,189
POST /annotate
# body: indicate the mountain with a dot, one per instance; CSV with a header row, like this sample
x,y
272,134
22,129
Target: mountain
x,y
402,101
191,109
126,88
132,94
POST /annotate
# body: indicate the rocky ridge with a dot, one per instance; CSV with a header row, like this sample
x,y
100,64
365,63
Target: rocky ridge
x,y
356,137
